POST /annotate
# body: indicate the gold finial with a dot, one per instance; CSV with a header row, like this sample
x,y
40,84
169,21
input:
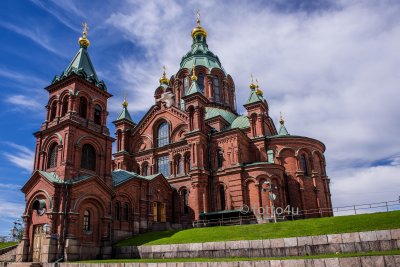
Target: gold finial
x,y
198,29
198,17
281,121
252,85
84,41
164,79
258,90
194,77
125,103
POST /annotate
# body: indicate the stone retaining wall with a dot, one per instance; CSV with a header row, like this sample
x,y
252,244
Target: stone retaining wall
x,y
280,247
7,249
373,261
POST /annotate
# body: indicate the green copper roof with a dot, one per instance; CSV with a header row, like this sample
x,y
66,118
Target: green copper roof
x,y
282,130
241,122
200,55
82,66
120,176
124,115
51,176
254,97
214,112
194,88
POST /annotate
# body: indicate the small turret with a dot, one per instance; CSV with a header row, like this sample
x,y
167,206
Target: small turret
x,y
282,129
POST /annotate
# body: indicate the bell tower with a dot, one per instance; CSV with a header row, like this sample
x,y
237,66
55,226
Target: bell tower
x,y
74,140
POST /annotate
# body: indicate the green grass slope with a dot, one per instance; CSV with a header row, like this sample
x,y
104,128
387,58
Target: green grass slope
x,y
7,244
331,225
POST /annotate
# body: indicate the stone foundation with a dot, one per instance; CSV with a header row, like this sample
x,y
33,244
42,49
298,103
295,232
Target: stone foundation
x,y
383,240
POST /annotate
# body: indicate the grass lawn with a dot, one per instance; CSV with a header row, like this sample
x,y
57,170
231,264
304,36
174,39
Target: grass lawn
x,y
342,255
330,225
7,244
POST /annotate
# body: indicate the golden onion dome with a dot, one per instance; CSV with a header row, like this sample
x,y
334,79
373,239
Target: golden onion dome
x,y
164,79
281,121
198,29
252,85
259,92
84,41
125,103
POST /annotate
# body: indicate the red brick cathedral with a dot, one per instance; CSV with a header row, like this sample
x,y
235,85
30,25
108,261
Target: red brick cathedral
x,y
191,157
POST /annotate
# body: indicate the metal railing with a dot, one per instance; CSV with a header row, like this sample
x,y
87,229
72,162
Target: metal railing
x,y
385,206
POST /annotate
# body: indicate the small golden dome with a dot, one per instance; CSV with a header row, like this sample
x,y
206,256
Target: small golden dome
x,y
198,29
164,79
281,121
84,41
194,77
258,90
125,103
252,85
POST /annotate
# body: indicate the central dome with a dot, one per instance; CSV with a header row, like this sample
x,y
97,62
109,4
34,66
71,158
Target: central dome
x,y
199,54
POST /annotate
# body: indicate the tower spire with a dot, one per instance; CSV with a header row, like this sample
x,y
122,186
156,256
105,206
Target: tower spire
x,y
84,41
282,129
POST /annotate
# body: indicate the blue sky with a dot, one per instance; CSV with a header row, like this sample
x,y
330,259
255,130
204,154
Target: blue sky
x,y
331,67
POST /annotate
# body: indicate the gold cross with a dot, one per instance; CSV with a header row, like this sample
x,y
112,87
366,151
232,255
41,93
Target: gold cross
x,y
164,68
198,17
85,28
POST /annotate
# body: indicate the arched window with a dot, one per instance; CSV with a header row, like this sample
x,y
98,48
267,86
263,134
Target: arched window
x,y
220,158
253,124
97,114
187,163
185,85
217,95
126,212
119,140
163,165
303,164
86,220
222,197
88,160
83,107
178,164
200,81
64,108
117,211
145,169
52,156
53,111
228,96
185,199
162,134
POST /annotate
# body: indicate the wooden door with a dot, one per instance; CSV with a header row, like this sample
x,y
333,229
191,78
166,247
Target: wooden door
x,y
38,237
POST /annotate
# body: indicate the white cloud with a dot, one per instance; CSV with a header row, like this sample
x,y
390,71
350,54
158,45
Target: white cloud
x,y
21,156
22,78
24,101
366,185
10,186
32,33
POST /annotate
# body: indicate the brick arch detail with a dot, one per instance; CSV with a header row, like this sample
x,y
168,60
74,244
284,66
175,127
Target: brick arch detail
x,y
40,192
81,200
88,139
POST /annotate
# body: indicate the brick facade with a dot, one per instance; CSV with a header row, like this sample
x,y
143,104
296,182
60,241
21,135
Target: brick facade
x,y
79,200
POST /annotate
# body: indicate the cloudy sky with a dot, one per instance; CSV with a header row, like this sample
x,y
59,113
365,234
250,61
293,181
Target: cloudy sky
x,y
331,67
